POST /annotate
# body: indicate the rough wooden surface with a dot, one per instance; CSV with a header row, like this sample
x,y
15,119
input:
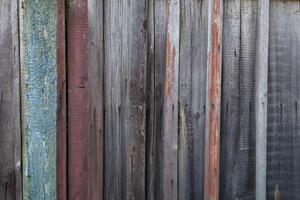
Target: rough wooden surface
x,y
213,100
155,87
61,163
283,177
38,81
261,101
125,58
96,100
170,106
237,168
78,90
10,133
192,98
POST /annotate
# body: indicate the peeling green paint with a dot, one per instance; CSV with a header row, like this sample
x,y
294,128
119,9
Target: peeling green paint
x,y
38,82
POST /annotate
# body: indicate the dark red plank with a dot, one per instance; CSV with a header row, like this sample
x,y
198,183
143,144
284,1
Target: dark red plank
x,y
77,99
61,104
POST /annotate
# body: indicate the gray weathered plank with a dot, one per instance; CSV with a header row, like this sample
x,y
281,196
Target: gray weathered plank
x,y
261,98
38,84
237,170
96,98
10,132
155,87
125,98
192,98
283,177
170,106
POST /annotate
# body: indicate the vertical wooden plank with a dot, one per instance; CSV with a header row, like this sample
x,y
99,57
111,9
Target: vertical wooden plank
x,y
125,92
10,133
237,167
96,100
283,142
170,109
38,83
61,165
78,90
155,99
213,106
192,98
261,98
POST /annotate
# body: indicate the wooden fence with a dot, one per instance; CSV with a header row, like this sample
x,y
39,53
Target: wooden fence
x,y
149,99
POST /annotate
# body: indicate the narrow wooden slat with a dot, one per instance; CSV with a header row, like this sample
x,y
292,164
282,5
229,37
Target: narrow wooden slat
x,y
96,100
261,98
10,133
170,106
78,90
125,98
17,98
154,100
61,153
192,98
213,100
38,89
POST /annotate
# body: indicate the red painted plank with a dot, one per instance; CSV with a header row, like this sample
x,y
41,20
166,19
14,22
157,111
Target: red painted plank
x,y
77,29
61,104
212,146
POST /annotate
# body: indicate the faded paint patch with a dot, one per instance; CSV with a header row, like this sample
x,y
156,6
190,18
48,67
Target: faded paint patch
x,y
38,81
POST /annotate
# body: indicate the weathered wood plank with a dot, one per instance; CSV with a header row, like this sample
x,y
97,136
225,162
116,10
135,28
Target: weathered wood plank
x,y
237,168
154,100
38,83
96,100
61,163
170,106
283,177
261,98
78,105
192,98
125,98
213,100
10,132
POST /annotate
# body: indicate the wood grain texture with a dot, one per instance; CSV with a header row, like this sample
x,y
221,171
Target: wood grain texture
x,y
125,98
96,100
10,132
38,84
237,167
261,98
170,106
78,105
213,100
192,98
155,97
283,178
61,163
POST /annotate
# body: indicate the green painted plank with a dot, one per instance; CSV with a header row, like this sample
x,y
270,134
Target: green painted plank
x,y
38,85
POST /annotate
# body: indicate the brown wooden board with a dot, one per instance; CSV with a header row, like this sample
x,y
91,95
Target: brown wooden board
x,y
10,133
283,177
78,90
61,149
125,41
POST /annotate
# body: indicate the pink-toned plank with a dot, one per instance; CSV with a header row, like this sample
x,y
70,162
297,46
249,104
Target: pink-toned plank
x,y
212,140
